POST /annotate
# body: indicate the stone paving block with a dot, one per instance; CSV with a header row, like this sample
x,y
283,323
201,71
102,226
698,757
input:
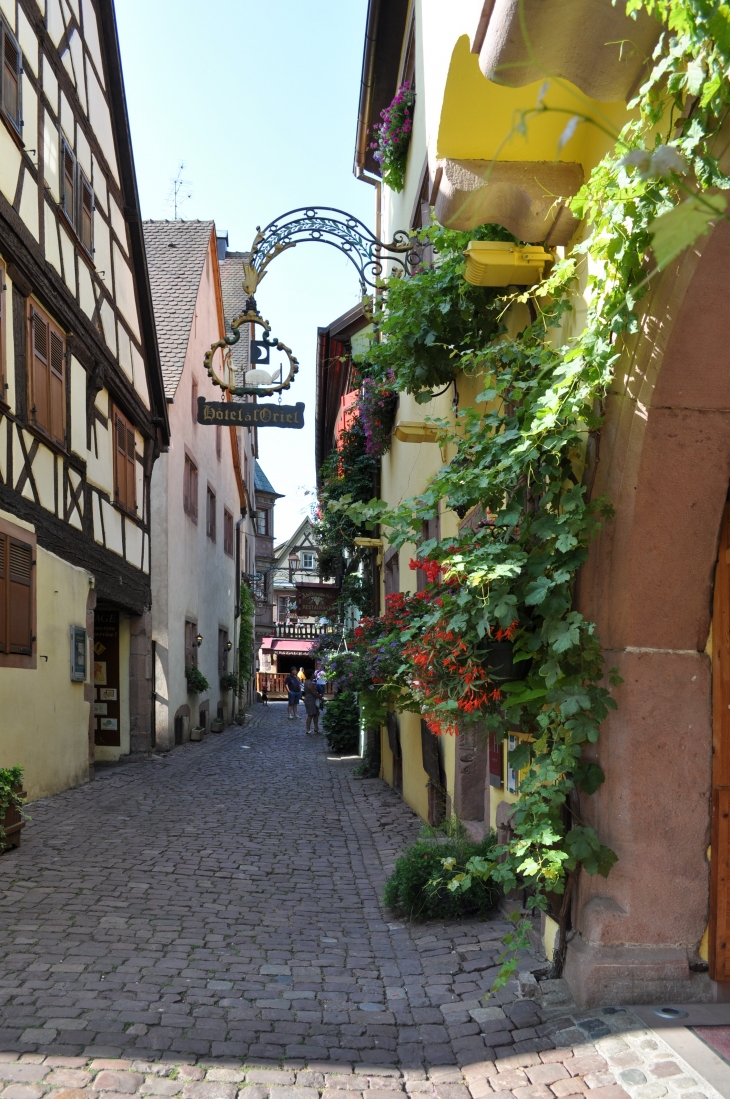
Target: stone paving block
x,y
665,1068
68,1078
124,1083
23,1073
161,1085
23,1091
546,1074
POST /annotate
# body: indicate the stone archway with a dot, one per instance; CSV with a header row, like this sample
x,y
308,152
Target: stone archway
x,y
664,461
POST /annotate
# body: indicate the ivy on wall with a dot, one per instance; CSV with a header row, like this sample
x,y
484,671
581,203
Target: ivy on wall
x,y
520,453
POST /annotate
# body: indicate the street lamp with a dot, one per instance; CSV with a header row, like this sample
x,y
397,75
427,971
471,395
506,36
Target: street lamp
x,y
199,640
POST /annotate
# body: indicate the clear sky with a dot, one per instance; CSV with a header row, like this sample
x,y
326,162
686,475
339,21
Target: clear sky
x,y
258,99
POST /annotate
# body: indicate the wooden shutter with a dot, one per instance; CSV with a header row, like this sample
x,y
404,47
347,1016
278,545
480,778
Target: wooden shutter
x,y
57,394
186,485
11,80
68,178
86,215
3,593
20,577
131,468
40,370
193,490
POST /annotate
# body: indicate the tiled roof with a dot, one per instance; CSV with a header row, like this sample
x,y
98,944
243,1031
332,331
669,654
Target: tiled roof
x,y
176,252
262,483
234,303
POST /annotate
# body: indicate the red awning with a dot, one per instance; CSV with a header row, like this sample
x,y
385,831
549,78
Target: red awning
x,y
285,646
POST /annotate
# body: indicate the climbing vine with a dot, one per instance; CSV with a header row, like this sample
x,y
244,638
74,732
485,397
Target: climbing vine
x,y
520,455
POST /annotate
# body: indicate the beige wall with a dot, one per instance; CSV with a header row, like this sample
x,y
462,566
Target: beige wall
x,y
45,720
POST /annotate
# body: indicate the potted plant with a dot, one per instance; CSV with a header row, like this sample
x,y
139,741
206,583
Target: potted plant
x,y
12,800
217,725
196,680
197,732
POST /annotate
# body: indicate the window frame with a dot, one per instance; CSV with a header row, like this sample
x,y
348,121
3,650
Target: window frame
x,y
229,528
211,519
125,504
8,659
222,651
194,400
190,504
6,33
262,516
308,554
52,330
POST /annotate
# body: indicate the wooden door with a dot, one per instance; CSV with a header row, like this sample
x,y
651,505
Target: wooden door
x,y
106,677
719,944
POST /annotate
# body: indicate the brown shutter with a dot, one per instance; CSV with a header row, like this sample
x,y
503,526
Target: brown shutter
x,y
86,216
69,184
20,605
131,467
186,485
40,370
3,594
194,490
58,389
120,460
11,80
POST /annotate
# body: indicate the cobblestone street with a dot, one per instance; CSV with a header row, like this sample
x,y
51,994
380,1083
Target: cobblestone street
x,y
211,921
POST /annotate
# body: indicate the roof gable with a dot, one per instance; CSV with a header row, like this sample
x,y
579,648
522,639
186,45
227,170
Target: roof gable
x,y
176,254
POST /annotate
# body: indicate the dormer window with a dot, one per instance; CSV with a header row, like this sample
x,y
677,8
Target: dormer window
x,y
307,560
10,87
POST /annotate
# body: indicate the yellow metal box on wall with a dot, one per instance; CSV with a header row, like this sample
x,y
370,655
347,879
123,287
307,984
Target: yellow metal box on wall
x,y
500,263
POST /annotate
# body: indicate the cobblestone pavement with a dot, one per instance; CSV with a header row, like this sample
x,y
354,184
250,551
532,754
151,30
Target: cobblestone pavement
x,y
208,926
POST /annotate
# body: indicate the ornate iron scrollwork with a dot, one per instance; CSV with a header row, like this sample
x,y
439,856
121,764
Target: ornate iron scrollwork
x,y
341,230
324,224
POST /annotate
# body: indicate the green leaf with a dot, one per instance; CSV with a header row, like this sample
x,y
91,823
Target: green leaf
x,y
424,396
681,226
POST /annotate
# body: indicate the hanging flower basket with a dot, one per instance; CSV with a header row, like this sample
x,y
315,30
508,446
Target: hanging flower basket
x,y
394,137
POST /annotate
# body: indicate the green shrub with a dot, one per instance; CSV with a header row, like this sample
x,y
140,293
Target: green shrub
x,y
196,681
341,722
407,891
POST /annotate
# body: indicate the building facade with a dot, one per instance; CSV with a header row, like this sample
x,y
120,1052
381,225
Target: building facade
x,y
82,410
656,582
199,498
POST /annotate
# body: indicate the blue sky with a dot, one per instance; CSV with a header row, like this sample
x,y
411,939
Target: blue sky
x,y
259,101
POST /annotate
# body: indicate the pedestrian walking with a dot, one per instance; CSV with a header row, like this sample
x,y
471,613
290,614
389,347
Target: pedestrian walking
x,y
311,703
294,691
320,681
301,676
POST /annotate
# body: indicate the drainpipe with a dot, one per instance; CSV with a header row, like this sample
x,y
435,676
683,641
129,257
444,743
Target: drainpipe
x,y
363,114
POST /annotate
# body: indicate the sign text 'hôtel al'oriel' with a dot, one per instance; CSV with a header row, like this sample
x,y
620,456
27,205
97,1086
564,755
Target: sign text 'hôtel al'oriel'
x,y
250,415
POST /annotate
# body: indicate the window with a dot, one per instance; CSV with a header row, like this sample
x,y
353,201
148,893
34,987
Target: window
x,y
218,441
287,606
47,374
77,198
125,464
194,400
190,488
17,596
210,514
10,87
191,645
262,521
228,532
222,652
307,560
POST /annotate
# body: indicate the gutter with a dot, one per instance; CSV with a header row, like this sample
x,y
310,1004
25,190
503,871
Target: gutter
x,y
366,90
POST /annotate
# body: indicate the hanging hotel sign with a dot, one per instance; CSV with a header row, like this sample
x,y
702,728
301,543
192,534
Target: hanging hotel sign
x,y
250,415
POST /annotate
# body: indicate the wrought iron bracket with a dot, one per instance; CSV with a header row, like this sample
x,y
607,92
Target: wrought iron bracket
x,y
341,230
326,225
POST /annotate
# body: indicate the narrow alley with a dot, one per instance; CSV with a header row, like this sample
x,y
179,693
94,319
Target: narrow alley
x,y
212,919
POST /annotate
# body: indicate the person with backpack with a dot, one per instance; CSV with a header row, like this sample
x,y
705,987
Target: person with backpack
x,y
294,691
311,703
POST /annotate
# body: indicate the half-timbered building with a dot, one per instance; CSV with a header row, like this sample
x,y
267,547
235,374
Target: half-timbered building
x,y
82,409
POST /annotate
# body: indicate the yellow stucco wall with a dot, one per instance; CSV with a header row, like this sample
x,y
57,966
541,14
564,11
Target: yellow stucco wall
x,y
45,720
